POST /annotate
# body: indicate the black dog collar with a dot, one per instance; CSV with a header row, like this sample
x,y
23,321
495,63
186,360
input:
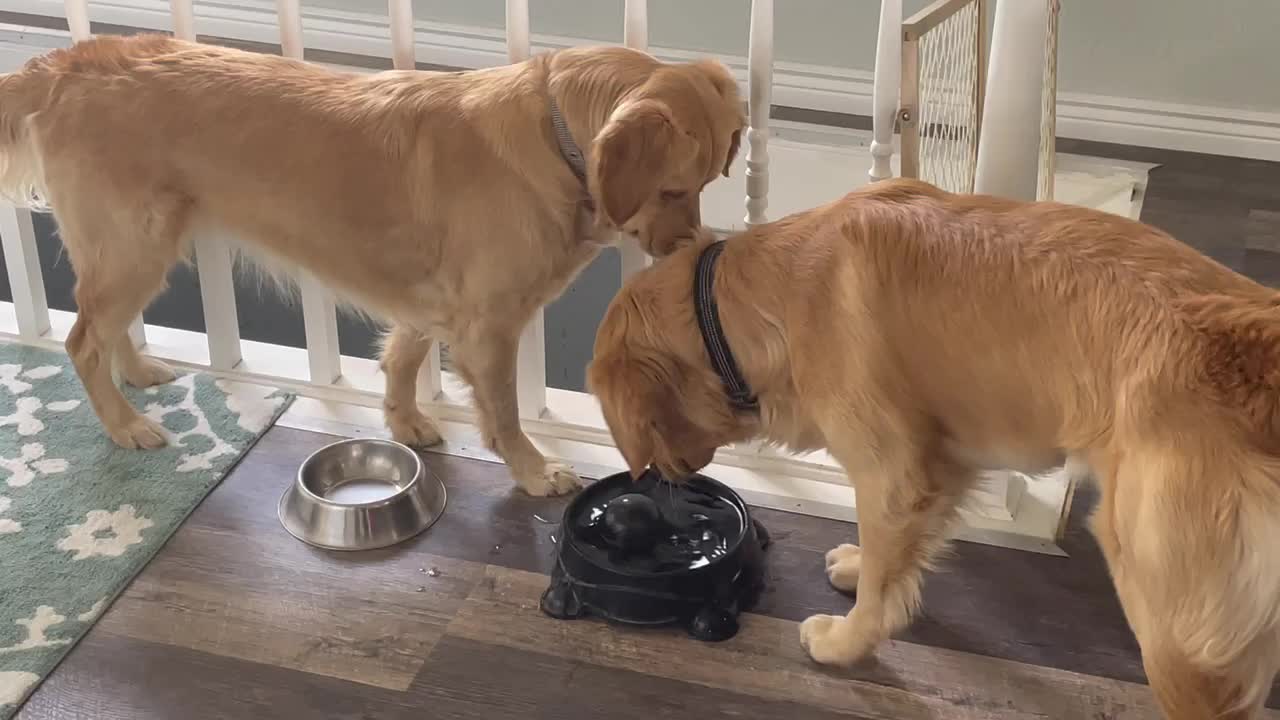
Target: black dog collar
x,y
704,305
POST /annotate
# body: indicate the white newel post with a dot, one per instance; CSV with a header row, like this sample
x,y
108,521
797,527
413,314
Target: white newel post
x,y
1009,142
760,99
886,84
531,363
1009,152
635,35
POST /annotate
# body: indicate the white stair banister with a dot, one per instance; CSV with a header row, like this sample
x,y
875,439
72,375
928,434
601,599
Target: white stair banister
x,y
886,83
531,363
760,99
1009,142
26,281
319,313
635,34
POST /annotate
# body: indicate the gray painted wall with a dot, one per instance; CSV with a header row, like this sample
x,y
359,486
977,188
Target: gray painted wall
x,y
1179,51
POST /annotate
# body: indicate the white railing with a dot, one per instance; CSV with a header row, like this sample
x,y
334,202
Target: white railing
x,y
566,424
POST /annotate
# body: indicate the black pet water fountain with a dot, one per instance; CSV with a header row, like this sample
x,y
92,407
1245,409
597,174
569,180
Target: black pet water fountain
x,y
650,552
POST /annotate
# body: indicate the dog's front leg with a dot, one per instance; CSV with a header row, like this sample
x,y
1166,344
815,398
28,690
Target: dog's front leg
x,y
903,509
402,357
486,358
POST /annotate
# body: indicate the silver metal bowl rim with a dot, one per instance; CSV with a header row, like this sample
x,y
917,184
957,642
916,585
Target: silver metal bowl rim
x,y
419,470
431,519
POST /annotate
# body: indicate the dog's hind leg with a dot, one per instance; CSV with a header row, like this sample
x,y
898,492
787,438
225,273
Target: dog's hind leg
x,y
903,512
402,357
1193,577
121,255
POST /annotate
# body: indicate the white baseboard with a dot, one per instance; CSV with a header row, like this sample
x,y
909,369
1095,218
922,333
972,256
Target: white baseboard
x,y
1128,121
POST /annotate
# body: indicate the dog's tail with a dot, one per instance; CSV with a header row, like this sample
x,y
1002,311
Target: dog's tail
x,y
22,95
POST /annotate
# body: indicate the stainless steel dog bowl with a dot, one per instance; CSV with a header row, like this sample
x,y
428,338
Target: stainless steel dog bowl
x,y
361,494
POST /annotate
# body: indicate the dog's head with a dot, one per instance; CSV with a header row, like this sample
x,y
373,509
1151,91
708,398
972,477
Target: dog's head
x,y
662,401
662,144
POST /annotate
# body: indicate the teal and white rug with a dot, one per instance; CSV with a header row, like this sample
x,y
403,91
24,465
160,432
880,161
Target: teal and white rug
x,y
79,517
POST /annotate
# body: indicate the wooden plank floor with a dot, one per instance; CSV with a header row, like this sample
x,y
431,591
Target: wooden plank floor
x,y
235,619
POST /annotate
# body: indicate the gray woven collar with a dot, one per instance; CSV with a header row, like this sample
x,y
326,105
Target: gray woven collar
x,y
568,148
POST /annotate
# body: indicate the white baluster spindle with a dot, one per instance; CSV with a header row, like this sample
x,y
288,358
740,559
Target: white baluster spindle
x,y
77,18
213,259
886,84
531,363
319,314
403,53
404,57
26,282
635,24
1009,140
635,35
184,19
518,43
760,94
78,23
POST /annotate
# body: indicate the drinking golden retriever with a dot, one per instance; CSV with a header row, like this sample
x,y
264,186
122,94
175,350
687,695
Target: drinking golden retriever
x,y
452,205
922,337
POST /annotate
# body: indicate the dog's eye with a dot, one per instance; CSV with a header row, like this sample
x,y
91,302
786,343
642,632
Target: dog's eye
x,y
673,195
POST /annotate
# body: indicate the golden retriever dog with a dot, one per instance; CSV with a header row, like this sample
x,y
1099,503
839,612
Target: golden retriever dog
x,y
922,337
445,204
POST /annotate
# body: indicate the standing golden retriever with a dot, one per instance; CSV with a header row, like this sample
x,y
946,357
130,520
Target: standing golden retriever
x,y
922,337
449,204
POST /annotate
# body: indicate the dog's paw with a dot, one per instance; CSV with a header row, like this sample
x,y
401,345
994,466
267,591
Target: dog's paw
x,y
139,433
844,564
555,479
413,428
147,372
830,640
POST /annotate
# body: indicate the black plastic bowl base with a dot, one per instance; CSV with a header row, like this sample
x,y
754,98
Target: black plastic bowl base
x,y
647,552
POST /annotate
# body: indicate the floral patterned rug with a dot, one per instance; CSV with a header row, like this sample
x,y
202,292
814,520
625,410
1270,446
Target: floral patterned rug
x,y
79,517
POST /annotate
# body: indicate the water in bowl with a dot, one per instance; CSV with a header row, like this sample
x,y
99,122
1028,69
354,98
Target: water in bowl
x,y
357,492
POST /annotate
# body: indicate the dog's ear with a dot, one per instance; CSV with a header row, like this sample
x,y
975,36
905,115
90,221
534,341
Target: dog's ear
x,y
720,77
630,158
722,80
623,392
734,142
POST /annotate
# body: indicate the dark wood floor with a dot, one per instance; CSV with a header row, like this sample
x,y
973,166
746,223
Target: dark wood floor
x,y
235,619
